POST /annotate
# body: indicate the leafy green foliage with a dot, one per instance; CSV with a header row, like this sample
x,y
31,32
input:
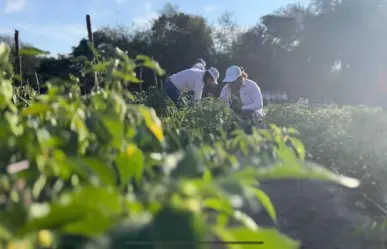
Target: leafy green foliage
x,y
89,167
31,51
346,140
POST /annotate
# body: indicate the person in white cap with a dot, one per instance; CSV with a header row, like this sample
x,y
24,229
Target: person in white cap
x,y
200,64
242,95
192,79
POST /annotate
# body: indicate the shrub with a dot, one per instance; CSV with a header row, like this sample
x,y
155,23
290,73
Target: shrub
x,y
98,170
347,140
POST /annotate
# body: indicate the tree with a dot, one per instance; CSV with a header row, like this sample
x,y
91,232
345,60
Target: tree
x,y
328,49
226,31
179,39
56,67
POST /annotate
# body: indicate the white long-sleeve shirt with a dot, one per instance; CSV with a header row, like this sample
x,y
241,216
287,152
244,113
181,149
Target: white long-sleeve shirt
x,y
250,95
189,80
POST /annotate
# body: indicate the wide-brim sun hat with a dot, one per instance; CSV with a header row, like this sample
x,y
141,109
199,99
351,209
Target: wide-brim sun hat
x,y
214,73
232,73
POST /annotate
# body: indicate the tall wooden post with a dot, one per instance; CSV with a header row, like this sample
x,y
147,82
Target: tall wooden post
x,y
155,77
18,66
91,41
89,30
141,78
37,81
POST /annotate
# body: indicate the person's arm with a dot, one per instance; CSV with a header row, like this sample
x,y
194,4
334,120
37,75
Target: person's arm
x,y
257,99
199,86
223,93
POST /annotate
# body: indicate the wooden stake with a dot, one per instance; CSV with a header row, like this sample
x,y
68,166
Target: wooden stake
x,y
18,66
89,30
91,41
155,77
141,78
37,82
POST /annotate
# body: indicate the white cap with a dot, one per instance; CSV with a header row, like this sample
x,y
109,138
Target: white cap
x,y
214,73
232,73
201,61
199,66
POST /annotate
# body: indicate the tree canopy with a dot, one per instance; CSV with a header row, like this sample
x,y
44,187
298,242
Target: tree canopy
x,y
329,49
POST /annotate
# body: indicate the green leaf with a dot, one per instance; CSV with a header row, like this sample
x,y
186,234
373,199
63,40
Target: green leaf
x,y
292,131
129,164
152,122
90,225
111,70
241,237
177,225
115,127
127,76
275,129
100,168
92,48
131,77
105,200
101,66
232,186
73,78
207,175
54,216
265,202
298,146
191,164
36,108
220,205
31,51
4,50
143,57
18,77
38,186
308,170
150,63
4,233
97,126
13,218
120,53
245,219
84,212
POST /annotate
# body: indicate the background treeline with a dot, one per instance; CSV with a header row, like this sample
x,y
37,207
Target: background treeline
x,y
327,51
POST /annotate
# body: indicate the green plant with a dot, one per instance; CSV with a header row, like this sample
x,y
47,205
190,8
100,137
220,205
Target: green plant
x,y
346,140
98,170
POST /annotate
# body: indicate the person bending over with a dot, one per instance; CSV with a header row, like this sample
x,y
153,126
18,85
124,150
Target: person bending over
x,y
242,95
200,64
192,79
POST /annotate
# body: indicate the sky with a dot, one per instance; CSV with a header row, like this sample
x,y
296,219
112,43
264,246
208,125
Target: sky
x,y
58,25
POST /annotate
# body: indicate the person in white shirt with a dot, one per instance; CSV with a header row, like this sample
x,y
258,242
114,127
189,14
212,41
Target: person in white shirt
x,y
200,64
192,79
242,94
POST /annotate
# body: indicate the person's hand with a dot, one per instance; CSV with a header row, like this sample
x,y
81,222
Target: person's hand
x,y
236,106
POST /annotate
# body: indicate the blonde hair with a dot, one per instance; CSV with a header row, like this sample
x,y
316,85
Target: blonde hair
x,y
244,75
